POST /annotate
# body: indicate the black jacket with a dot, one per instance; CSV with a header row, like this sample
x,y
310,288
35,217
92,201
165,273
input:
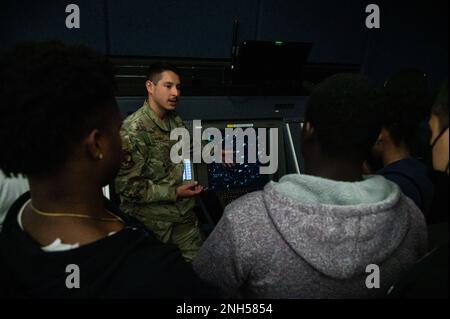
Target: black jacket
x,y
129,264
413,179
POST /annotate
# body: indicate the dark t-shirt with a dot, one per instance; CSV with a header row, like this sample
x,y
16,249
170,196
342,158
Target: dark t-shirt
x,y
413,179
129,264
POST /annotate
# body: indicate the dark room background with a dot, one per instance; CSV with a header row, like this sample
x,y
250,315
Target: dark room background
x,y
412,34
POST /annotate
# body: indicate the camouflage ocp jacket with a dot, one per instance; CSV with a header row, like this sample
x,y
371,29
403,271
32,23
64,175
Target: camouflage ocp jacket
x,y
148,178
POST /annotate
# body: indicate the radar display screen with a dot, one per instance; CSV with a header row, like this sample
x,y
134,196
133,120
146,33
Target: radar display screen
x,y
238,176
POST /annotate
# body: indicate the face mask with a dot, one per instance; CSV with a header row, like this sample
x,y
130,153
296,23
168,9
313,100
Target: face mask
x,y
430,153
439,210
420,148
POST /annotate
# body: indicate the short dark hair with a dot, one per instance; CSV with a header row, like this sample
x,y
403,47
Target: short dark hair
x,y
52,95
406,103
440,106
342,110
155,70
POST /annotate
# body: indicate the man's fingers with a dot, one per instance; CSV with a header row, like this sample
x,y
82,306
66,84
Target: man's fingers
x,y
196,187
189,189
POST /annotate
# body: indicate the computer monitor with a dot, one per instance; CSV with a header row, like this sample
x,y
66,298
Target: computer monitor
x,y
237,176
270,62
248,175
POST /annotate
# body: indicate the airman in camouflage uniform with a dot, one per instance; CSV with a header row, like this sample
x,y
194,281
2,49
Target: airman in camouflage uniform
x,y
148,179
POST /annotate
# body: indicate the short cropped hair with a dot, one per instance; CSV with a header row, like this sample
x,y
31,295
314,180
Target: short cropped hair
x,y
155,70
343,111
52,95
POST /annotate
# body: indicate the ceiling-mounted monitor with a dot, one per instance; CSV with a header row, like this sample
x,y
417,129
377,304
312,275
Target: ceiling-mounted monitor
x,y
270,62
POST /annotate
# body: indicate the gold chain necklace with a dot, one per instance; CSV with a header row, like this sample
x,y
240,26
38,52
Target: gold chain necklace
x,y
104,219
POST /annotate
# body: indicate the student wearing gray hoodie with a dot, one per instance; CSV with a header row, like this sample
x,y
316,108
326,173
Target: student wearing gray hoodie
x,y
314,235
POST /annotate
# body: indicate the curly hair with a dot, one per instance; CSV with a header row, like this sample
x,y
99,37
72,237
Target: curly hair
x,y
52,96
343,111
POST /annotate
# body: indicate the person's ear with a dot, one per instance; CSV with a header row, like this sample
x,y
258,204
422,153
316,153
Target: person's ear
x,y
379,146
308,131
149,86
94,145
382,137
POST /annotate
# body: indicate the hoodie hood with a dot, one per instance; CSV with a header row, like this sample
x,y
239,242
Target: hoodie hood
x,y
338,227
